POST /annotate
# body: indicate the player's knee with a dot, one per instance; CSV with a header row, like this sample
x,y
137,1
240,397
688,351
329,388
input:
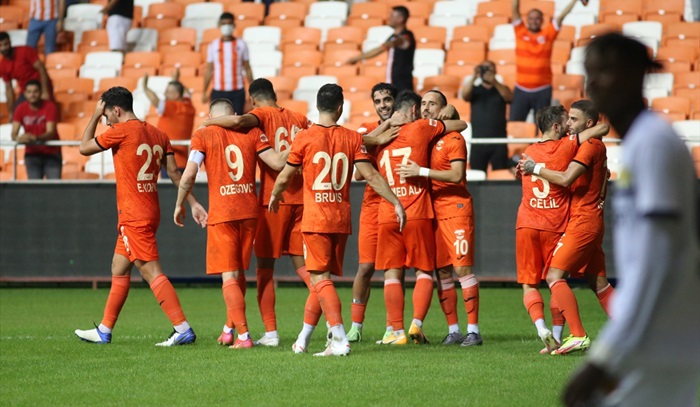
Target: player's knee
x,y
554,275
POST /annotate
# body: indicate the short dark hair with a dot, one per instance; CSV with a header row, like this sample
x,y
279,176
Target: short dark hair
x,y
4,36
226,16
179,86
406,99
548,116
441,96
221,101
588,108
33,82
383,86
627,53
329,97
118,96
262,88
403,11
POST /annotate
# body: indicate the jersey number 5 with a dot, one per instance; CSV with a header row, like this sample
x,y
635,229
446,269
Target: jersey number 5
x,y
150,151
330,165
544,192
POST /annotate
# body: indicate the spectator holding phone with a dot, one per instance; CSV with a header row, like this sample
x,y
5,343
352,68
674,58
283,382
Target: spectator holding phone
x,y
488,98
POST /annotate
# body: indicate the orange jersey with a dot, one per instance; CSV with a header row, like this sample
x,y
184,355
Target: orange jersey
x,y
545,206
370,198
449,199
533,54
326,155
230,157
589,190
281,126
413,142
138,149
177,120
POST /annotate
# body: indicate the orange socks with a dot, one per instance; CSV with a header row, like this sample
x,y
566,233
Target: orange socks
x,y
394,302
470,293
116,299
266,299
422,296
235,305
447,294
566,302
604,296
534,304
167,299
330,303
312,309
357,311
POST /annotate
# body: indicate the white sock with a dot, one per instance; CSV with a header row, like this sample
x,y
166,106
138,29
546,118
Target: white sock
x,y
418,322
473,328
228,329
271,335
557,330
339,332
182,328
244,337
453,328
306,331
399,332
104,329
540,324
357,325
389,328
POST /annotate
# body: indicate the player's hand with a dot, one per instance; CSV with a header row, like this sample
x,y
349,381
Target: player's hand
x,y
587,384
274,204
179,216
400,216
199,214
388,135
447,112
99,109
408,170
399,119
526,165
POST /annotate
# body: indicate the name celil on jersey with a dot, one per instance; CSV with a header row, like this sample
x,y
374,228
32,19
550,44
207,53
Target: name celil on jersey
x,y
233,189
328,197
147,187
547,203
403,191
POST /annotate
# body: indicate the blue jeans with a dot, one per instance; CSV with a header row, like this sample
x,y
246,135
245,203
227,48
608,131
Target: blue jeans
x,y
48,28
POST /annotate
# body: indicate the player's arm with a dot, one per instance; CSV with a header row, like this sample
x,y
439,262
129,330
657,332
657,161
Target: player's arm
x,y
284,178
560,19
382,188
454,125
44,78
151,95
199,214
88,145
455,175
448,113
564,179
273,159
233,121
598,131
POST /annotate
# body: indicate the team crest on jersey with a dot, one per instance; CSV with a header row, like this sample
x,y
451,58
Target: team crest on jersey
x,y
459,234
541,39
263,138
432,122
439,145
362,130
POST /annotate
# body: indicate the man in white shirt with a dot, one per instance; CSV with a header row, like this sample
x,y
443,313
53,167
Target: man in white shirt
x,y
649,352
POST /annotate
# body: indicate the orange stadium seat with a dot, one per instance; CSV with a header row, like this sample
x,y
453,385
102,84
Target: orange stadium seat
x,y
363,110
174,37
106,83
78,110
63,60
392,3
255,12
13,14
66,131
519,130
466,53
667,10
74,86
187,62
561,51
365,24
345,35
680,33
166,10
620,7
545,6
302,35
299,106
672,104
447,84
284,11
568,82
470,33
430,37
502,57
566,96
490,9
463,108
284,23
420,9
94,38
692,94
368,10
297,72
590,31
689,80
160,24
567,33
338,70
490,22
354,84
303,58
58,74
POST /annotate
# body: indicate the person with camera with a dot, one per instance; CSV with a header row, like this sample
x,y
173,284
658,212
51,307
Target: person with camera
x,y
488,98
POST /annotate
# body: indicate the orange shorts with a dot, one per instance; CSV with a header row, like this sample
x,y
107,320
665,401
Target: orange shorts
x,y
367,236
579,254
414,247
454,242
324,252
533,250
229,245
279,233
137,241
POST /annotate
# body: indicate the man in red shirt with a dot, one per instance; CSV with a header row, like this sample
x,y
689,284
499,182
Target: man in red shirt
x,y
176,115
326,152
22,64
38,118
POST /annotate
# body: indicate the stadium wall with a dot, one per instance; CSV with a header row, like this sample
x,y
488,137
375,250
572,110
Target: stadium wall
x,y
68,231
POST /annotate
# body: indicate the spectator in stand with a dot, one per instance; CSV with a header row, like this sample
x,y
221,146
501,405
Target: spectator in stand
x,y
533,59
176,116
488,98
38,117
227,58
22,64
401,46
120,17
45,17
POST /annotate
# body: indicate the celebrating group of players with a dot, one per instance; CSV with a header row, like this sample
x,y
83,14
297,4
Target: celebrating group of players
x,y
416,204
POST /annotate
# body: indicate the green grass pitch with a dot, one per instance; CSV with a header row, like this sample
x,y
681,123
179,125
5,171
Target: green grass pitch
x,y
43,363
